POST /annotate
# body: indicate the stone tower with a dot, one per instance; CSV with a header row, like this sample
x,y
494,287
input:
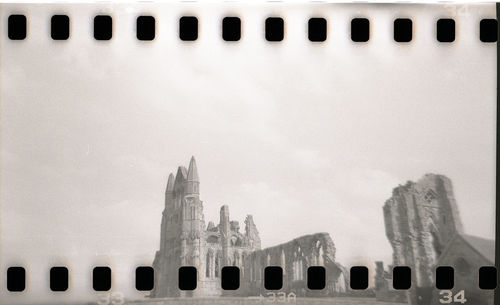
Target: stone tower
x,y
182,240
420,218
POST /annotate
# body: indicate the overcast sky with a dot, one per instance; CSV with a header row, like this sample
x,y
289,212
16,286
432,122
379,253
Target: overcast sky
x,y
307,138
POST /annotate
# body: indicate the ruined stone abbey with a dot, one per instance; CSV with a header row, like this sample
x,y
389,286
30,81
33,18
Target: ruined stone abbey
x,y
186,240
425,231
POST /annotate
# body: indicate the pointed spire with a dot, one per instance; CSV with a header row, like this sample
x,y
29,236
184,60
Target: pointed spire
x,y
170,183
192,171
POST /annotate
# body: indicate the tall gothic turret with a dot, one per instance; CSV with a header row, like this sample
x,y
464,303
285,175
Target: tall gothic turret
x,y
169,196
170,183
169,191
251,233
182,230
193,181
224,227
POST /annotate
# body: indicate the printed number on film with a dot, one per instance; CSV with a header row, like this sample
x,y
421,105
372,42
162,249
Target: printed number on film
x,y
280,297
447,297
112,298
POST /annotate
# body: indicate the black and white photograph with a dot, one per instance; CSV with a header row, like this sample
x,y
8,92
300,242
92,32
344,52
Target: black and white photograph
x,y
247,153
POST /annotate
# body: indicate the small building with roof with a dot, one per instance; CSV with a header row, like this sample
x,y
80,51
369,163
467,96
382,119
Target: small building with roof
x,y
466,254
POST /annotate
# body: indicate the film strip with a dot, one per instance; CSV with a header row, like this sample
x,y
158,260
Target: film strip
x,y
231,28
356,143
230,278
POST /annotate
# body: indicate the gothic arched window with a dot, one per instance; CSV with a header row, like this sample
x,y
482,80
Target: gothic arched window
x,y
430,196
283,261
236,261
295,270
207,266
193,212
320,256
217,264
301,271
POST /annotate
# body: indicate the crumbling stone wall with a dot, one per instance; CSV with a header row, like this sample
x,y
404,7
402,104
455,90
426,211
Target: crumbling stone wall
x,y
420,219
295,257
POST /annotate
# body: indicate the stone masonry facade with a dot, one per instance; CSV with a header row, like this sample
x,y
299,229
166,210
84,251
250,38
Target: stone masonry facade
x,y
186,240
420,219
